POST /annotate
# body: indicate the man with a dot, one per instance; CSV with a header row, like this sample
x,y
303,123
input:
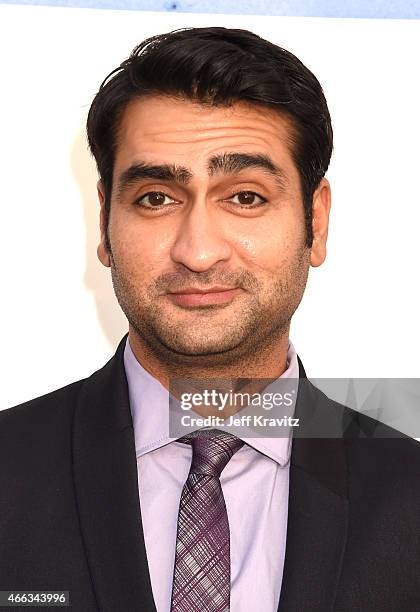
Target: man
x,y
211,146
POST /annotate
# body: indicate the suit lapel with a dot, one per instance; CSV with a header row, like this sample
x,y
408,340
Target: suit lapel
x,y
318,505
105,477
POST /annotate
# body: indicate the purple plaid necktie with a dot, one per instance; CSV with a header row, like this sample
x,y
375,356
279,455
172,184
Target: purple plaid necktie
x,y
202,559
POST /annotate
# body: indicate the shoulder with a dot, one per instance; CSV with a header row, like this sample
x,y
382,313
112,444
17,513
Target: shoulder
x,y
378,455
383,454
373,449
42,424
39,419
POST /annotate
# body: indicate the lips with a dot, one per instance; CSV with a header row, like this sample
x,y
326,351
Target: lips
x,y
194,290
196,297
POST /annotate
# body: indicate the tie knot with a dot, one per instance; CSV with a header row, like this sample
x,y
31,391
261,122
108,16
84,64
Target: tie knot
x,y
212,449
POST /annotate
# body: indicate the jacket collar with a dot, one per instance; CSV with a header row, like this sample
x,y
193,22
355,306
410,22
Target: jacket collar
x,y
106,487
318,504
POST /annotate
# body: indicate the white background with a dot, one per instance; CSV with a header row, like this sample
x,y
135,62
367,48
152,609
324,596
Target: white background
x,y
60,320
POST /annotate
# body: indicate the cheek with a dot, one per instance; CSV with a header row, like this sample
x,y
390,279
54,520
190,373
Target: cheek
x,y
139,249
270,243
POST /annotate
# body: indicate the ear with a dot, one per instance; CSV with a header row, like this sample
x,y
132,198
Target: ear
x,y
102,251
321,204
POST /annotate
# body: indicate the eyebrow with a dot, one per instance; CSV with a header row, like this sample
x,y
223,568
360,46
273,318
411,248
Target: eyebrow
x,y
225,163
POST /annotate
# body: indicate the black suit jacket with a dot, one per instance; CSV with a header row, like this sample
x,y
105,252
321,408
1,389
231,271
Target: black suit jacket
x,y
70,514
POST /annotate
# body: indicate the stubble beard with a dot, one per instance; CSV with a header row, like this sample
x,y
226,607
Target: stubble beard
x,y
241,338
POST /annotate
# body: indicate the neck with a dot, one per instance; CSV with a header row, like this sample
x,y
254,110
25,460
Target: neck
x,y
249,373
269,362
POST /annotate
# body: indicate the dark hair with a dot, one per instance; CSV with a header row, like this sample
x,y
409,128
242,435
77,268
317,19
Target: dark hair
x,y
218,66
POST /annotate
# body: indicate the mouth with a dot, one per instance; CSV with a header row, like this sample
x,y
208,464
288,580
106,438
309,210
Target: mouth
x,y
193,297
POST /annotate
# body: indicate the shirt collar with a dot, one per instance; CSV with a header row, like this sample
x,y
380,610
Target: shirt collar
x,y
149,405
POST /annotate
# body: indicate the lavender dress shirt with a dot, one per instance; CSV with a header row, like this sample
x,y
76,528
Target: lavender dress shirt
x,y
258,522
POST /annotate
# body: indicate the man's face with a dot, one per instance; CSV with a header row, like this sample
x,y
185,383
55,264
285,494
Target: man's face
x,y
206,227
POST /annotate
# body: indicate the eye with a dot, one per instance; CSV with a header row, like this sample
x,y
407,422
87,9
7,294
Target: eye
x,y
154,199
247,199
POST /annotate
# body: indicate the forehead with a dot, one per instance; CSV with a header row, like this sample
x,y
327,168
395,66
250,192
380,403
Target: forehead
x,y
163,128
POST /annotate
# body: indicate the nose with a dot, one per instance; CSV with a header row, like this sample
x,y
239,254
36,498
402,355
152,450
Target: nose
x,y
201,240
